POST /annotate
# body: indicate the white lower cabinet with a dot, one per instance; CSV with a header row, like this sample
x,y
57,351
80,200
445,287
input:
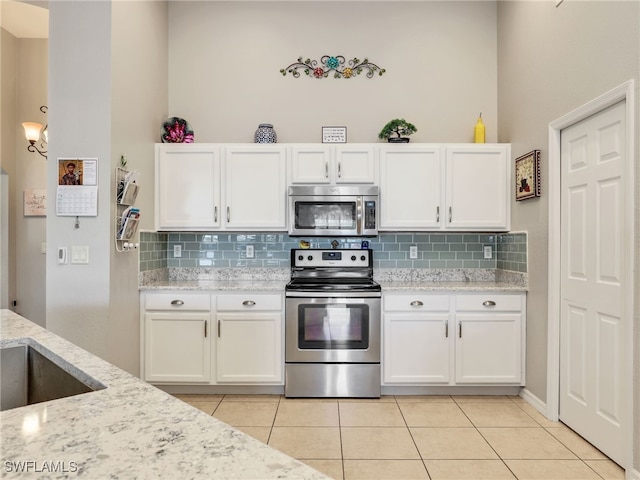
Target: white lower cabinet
x,y
489,338
212,339
463,339
249,339
417,349
176,336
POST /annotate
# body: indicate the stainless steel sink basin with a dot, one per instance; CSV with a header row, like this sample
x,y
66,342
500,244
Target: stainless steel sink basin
x,y
27,377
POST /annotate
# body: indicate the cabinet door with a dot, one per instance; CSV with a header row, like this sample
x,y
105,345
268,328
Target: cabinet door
x,y
478,187
187,187
310,164
177,347
488,348
355,164
256,190
410,187
417,348
249,347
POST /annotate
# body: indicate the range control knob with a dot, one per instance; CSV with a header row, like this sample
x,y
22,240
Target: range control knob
x,y
300,257
353,258
363,258
310,257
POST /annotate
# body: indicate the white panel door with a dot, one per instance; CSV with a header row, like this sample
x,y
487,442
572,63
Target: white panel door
x,y
410,187
249,348
187,193
592,348
310,164
416,348
256,187
355,164
478,187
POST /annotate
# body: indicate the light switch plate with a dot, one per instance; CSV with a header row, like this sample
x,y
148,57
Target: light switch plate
x,y
177,251
79,255
250,251
413,251
488,252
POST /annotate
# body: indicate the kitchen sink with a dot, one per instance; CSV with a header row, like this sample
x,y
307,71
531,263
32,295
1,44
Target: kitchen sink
x,y
31,375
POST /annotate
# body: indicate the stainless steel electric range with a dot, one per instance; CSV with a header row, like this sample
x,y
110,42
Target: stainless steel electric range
x,y
332,325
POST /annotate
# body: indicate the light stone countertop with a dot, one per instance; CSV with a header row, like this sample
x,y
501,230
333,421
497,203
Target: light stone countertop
x,y
128,430
449,287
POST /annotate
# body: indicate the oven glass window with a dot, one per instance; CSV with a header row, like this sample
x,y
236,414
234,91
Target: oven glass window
x,y
333,326
325,215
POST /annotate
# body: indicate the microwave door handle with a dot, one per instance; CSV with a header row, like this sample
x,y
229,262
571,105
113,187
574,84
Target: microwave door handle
x,y
359,215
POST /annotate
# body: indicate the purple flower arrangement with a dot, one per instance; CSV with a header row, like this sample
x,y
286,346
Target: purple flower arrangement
x,y
177,131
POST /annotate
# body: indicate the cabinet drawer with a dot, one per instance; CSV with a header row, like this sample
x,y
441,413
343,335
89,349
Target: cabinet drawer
x,y
488,302
178,301
247,302
415,303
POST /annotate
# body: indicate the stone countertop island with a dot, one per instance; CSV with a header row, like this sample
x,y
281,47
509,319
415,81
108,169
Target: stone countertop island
x,y
128,430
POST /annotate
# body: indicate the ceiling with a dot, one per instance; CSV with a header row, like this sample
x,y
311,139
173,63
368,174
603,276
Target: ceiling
x,y
25,19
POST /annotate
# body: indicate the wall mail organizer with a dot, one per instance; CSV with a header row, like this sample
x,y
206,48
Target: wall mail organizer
x,y
127,216
336,64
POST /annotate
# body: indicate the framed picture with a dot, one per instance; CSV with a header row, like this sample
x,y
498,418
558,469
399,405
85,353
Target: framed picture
x,y
35,202
528,175
334,134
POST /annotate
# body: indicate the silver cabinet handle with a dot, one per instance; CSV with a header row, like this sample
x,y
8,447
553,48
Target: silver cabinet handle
x,y
489,303
228,214
446,329
450,215
205,329
218,328
215,213
177,303
438,214
416,303
459,329
326,169
248,303
339,169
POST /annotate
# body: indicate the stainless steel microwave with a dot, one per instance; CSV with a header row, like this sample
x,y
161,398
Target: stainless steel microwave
x,y
333,211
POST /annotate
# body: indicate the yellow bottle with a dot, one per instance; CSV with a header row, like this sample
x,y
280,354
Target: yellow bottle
x,y
479,131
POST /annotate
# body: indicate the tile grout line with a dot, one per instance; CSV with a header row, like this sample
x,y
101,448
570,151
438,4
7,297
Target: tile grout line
x,y
395,398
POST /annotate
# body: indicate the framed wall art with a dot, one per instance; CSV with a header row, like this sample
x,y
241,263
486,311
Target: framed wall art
x,y
528,175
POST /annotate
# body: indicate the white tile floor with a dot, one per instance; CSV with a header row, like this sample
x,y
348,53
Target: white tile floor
x,y
415,437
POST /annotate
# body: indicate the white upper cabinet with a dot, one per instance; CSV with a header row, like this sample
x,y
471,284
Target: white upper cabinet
x,y
411,193
212,187
187,190
445,187
256,187
332,164
478,193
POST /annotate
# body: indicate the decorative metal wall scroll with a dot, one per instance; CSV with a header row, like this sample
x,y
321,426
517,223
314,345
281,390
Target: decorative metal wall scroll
x,y
336,64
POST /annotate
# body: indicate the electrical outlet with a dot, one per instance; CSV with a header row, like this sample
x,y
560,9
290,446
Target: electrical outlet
x,y
413,251
250,252
177,251
488,252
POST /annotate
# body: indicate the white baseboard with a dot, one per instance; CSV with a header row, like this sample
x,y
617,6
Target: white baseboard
x,y
534,401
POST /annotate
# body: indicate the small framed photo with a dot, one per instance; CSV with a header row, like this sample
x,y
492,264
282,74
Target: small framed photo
x,y
528,175
334,134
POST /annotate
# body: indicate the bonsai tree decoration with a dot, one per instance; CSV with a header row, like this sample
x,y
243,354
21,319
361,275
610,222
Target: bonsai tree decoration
x,y
398,127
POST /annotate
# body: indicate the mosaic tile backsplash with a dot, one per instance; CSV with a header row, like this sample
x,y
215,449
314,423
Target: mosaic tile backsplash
x,y
435,250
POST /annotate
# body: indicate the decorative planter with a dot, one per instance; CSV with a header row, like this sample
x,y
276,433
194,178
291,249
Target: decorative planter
x,y
398,140
265,134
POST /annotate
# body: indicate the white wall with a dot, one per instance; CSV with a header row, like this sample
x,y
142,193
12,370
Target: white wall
x,y
551,61
78,296
138,107
440,60
107,93
31,172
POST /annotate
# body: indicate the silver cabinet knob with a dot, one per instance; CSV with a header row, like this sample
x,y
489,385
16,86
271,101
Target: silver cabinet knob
x,y
416,303
248,303
489,303
177,302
